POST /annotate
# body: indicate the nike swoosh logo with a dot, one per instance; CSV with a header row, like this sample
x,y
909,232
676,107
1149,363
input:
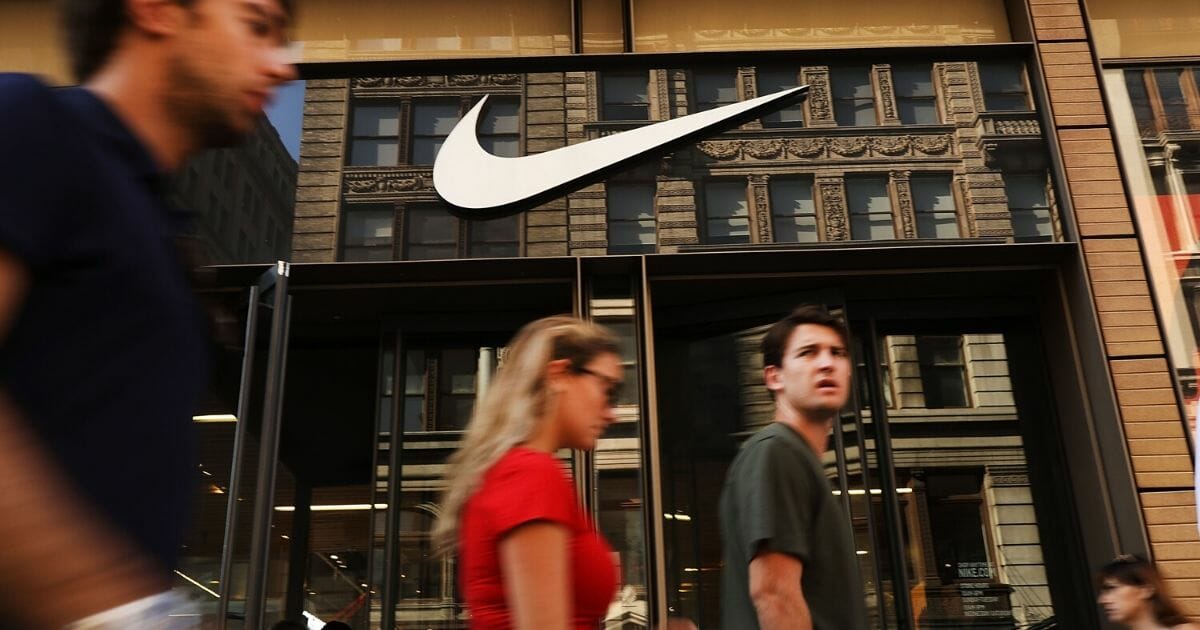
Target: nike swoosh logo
x,y
479,185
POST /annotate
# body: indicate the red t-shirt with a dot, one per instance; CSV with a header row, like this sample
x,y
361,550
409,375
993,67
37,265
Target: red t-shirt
x,y
523,487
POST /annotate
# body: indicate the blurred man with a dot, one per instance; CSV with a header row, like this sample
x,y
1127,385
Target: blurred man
x,y
102,346
789,556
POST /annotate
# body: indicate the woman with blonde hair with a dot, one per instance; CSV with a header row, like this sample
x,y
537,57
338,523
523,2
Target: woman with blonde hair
x,y
528,556
1132,593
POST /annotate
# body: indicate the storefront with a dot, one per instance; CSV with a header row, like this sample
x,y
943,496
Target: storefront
x,y
948,186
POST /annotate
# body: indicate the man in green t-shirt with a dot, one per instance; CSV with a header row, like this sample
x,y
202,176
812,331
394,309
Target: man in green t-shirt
x,y
789,555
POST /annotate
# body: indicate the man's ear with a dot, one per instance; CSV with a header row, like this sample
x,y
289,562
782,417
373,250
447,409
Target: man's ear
x,y
772,378
156,18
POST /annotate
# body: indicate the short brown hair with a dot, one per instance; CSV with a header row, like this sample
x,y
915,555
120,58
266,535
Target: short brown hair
x,y
1138,571
775,341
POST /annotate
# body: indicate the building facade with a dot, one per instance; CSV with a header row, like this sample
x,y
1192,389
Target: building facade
x,y
998,196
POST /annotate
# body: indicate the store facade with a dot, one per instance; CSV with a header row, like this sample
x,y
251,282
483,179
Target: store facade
x,y
950,186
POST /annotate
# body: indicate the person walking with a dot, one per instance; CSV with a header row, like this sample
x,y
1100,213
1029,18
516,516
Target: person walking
x,y
102,343
789,559
529,558
1132,593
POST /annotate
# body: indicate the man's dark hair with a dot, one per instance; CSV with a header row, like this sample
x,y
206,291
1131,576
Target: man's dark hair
x,y
91,27
775,341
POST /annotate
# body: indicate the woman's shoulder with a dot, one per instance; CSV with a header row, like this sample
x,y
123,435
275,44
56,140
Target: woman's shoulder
x,y
524,466
1186,626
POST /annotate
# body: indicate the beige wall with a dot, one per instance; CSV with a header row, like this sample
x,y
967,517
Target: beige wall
x,y
30,40
1145,28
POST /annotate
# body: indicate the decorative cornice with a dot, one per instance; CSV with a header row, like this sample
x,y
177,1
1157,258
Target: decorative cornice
x,y
835,147
375,182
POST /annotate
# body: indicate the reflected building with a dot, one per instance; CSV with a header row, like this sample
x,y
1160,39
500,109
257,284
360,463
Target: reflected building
x,y
242,198
998,198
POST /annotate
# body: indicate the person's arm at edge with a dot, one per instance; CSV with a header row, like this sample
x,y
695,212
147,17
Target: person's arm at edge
x,y
58,561
775,591
534,566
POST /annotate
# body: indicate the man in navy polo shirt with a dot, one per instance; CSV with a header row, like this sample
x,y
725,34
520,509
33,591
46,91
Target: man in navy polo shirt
x,y
102,345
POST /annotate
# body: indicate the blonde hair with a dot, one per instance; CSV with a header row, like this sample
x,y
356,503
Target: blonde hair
x,y
514,406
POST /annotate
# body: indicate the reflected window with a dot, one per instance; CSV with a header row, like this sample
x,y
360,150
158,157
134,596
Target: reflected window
x,y
440,385
943,371
432,233
367,232
375,135
1029,203
916,101
1164,99
853,96
500,127
432,121
870,208
714,89
933,203
631,226
726,213
793,212
625,96
494,238
1004,86
771,81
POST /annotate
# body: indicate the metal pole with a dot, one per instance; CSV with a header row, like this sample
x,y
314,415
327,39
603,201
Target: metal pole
x,y
391,537
887,479
235,468
260,548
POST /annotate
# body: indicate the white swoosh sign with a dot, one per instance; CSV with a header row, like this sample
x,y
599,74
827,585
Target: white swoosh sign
x,y
477,184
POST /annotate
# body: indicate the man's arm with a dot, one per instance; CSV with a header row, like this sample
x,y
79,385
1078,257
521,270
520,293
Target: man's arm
x,y
775,591
59,562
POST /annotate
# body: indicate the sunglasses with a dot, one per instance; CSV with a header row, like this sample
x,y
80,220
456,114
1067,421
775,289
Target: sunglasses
x,y
613,389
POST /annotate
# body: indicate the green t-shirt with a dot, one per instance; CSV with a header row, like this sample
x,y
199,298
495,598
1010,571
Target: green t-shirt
x,y
776,497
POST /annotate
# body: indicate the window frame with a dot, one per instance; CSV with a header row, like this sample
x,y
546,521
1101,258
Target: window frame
x,y
702,106
773,201
918,211
837,102
888,194
704,209
1023,77
774,119
348,210
631,248
1044,179
901,99
463,242
604,101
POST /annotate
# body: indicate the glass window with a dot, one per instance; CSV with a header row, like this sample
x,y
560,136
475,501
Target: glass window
x,y
714,89
870,208
500,128
631,227
1030,207
375,135
726,213
430,233
625,96
943,371
367,232
853,96
456,387
771,81
495,238
1003,86
916,101
933,203
793,213
432,121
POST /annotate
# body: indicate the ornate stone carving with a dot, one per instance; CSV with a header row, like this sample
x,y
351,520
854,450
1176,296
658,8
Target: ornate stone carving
x,y
463,79
762,149
833,206
388,82
820,107
805,147
720,149
976,87
662,83
891,145
887,97
483,79
749,87
1018,127
850,146
375,183
905,202
762,211
931,145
